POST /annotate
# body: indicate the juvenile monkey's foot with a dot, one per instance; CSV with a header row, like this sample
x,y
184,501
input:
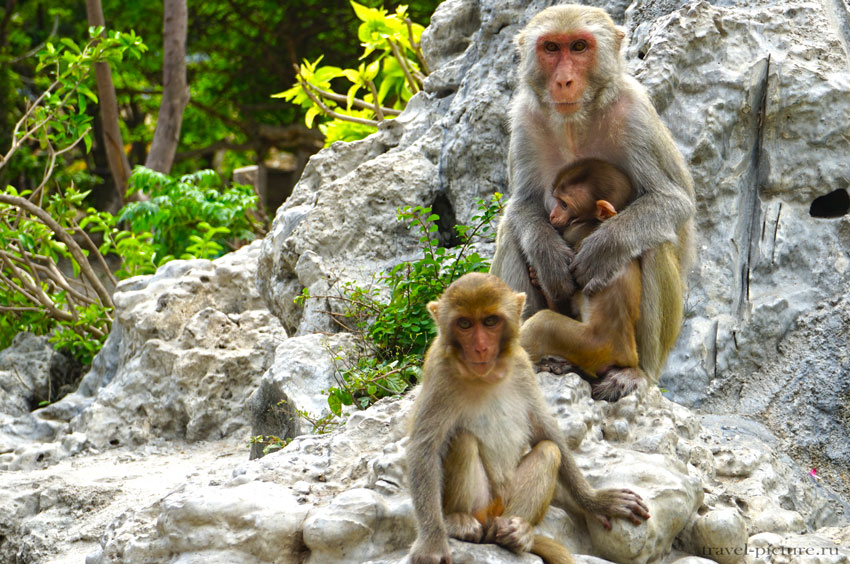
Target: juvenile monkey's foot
x,y
513,533
620,503
465,527
617,383
555,365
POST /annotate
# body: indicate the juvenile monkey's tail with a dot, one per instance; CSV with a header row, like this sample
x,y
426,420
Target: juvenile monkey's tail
x,y
551,551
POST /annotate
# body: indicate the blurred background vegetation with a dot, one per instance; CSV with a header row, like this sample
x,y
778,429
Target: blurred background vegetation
x,y
238,54
180,93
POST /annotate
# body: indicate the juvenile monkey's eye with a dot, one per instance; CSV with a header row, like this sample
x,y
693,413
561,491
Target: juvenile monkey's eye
x,y
562,204
491,320
550,47
579,46
464,323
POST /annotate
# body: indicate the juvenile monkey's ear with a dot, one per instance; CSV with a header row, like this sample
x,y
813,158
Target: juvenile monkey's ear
x,y
433,308
520,302
604,210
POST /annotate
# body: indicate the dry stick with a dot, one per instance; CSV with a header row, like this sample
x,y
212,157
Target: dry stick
x,y
18,289
417,47
306,87
37,281
48,168
17,142
402,61
51,272
72,245
96,251
377,106
32,292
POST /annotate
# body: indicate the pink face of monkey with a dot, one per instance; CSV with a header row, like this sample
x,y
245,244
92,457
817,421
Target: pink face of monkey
x,y
572,202
566,60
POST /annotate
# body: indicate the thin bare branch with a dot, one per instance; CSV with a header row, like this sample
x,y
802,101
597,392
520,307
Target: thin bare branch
x,y
376,106
69,241
306,86
402,60
96,251
417,47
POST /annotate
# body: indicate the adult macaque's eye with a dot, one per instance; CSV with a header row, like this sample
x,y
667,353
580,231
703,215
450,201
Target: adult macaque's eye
x,y
579,46
550,47
464,323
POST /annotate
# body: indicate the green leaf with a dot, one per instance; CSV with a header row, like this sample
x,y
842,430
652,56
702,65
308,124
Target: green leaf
x,y
311,115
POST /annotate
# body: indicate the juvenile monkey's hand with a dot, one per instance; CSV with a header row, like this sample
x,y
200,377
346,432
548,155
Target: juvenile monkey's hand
x,y
431,552
620,503
597,262
513,533
465,527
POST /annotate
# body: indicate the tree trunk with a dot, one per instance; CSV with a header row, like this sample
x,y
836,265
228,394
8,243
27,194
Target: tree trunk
x,y
175,90
119,165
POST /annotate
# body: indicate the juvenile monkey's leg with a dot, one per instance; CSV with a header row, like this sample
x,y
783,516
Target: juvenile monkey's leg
x,y
534,482
531,491
534,485
466,489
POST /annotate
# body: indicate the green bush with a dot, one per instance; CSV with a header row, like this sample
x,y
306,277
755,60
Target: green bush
x,y
396,332
191,216
47,283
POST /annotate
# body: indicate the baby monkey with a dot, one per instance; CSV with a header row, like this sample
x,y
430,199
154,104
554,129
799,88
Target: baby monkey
x,y
601,342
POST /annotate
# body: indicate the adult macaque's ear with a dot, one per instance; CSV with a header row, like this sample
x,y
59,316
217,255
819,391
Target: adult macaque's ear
x,y
620,34
604,210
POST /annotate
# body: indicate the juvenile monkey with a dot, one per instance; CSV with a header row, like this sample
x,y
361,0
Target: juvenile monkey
x,y
601,343
574,100
485,455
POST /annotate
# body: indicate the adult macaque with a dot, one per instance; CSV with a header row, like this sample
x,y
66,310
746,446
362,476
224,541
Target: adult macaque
x,y
575,101
602,342
485,455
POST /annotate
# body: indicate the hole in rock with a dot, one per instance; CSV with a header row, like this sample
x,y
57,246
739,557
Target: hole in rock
x,y
446,224
834,204
114,442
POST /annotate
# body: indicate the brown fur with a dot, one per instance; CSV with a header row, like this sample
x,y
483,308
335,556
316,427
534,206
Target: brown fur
x,y
485,455
602,340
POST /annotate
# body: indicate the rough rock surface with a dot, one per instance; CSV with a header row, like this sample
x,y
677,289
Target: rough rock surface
x,y
30,372
712,485
195,335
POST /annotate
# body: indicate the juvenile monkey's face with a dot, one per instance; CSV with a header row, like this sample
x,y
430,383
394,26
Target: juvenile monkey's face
x,y
480,340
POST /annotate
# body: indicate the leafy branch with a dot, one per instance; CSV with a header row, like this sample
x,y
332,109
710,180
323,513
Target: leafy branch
x,y
379,89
